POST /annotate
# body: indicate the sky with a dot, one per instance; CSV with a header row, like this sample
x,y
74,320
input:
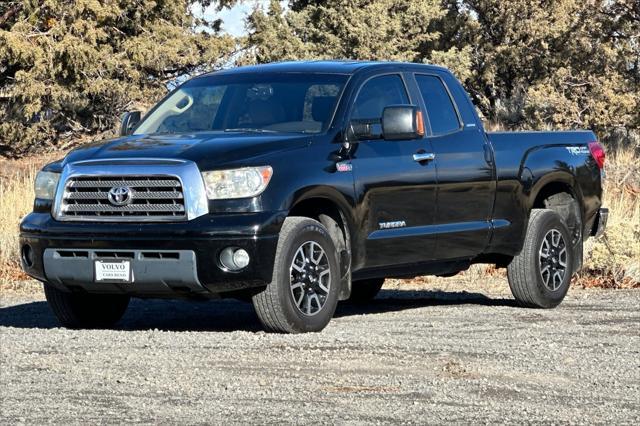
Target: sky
x,y
233,19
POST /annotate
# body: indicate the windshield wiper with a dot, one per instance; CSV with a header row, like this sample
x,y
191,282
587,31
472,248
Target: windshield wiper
x,y
250,130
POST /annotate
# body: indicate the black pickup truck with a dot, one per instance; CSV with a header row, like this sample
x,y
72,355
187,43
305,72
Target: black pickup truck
x,y
296,185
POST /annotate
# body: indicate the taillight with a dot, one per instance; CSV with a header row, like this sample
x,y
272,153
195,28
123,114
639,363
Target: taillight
x,y
597,152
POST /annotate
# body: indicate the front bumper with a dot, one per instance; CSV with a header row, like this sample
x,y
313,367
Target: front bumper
x,y
190,266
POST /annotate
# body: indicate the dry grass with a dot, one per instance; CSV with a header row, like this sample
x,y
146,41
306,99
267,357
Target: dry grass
x,y
16,200
611,262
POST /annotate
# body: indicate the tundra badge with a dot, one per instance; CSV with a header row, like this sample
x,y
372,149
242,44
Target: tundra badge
x,y
394,224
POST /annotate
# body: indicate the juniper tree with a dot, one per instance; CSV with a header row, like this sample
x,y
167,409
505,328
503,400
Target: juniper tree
x,y
544,64
399,30
557,63
69,68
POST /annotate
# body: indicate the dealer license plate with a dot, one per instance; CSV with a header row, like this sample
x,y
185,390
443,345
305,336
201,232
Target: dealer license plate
x,y
113,271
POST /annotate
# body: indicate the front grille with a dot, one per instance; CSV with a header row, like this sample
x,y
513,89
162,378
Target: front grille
x,y
150,198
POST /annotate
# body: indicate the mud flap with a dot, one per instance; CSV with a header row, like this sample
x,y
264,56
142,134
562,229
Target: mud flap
x,y
567,207
345,270
344,256
577,256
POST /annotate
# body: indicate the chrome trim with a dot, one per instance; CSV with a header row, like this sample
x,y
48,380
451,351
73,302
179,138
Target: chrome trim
x,y
112,183
132,208
426,156
187,172
138,195
125,161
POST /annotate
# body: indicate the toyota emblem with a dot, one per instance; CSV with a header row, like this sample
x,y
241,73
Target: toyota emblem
x,y
119,196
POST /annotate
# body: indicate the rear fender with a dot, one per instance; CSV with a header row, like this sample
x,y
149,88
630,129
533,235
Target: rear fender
x,y
560,176
537,171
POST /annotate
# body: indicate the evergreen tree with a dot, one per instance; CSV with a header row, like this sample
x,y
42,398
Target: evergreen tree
x,y
546,64
69,68
401,30
557,63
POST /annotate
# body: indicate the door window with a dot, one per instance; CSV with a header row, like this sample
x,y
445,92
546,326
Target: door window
x,y
440,110
378,93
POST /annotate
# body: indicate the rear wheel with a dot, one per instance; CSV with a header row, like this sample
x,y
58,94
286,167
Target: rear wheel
x,y
539,276
365,290
81,310
303,293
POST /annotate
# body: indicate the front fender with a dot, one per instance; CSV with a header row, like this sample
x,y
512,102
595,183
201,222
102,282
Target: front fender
x,y
329,193
341,201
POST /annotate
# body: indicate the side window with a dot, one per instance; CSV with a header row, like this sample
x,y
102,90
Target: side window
x,y
319,102
378,93
440,109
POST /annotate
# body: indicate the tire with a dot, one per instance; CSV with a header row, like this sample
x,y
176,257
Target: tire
x,y
365,290
299,298
81,310
537,276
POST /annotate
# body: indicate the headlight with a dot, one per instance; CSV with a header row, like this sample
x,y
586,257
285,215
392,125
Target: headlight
x,y
46,184
237,183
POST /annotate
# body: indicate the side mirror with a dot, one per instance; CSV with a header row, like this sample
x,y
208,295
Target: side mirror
x,y
402,122
128,121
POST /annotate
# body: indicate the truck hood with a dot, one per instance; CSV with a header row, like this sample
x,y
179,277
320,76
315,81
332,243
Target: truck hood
x,y
207,150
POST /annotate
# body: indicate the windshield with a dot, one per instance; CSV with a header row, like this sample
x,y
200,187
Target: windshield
x,y
299,103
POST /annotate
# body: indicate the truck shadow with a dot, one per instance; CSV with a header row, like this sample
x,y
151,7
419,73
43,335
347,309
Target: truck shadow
x,y
232,315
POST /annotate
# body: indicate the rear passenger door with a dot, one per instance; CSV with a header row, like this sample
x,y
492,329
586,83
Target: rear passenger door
x,y
466,184
396,194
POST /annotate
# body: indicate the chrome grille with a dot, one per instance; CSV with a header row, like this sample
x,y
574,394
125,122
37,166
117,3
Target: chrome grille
x,y
151,198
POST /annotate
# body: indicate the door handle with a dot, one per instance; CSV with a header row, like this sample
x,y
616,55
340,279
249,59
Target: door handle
x,y
424,156
488,155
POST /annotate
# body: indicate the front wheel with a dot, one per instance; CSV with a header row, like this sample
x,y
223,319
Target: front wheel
x,y
81,310
303,293
539,276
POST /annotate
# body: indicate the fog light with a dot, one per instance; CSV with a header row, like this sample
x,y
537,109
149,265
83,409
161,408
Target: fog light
x,y
241,258
234,258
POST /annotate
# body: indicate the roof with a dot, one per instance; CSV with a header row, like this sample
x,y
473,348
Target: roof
x,y
322,66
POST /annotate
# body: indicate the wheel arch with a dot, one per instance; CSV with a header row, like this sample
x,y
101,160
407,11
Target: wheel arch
x,y
554,184
334,212
310,202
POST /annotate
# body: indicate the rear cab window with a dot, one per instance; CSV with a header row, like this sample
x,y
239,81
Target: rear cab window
x,y
441,110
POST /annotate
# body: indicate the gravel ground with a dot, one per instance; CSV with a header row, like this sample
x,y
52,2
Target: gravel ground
x,y
412,356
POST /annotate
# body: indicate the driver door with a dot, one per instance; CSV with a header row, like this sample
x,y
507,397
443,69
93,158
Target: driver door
x,y
396,193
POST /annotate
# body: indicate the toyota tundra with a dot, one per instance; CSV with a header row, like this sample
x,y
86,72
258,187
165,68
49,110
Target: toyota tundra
x,y
297,185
